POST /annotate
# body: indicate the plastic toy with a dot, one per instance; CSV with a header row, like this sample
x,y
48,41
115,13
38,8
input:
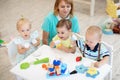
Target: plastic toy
x,y
73,72
25,65
2,43
79,58
57,68
108,31
51,70
58,43
39,61
81,69
107,27
112,26
111,9
56,62
92,72
116,28
44,66
63,68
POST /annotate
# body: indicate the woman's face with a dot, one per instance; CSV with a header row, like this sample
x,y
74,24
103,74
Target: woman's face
x,y
64,9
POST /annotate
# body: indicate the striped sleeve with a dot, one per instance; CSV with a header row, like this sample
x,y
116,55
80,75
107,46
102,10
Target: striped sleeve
x,y
104,51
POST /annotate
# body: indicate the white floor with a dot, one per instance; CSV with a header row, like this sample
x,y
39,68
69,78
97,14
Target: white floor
x,y
35,11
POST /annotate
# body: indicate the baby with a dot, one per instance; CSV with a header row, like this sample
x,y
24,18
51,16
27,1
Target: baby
x,y
92,47
27,42
64,40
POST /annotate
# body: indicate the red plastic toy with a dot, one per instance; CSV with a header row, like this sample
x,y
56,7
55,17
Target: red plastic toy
x,y
79,58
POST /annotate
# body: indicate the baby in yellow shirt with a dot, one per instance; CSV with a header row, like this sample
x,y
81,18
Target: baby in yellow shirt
x,y
64,40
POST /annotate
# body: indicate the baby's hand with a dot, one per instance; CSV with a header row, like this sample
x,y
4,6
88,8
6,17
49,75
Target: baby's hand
x,y
97,64
52,44
63,48
36,42
73,43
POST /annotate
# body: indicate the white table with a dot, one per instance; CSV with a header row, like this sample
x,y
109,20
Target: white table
x,y
35,72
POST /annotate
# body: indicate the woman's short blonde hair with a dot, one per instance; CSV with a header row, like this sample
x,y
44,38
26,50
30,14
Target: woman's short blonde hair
x,y
21,22
95,30
57,2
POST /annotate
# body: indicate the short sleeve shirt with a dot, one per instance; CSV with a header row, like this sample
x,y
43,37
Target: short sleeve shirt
x,y
66,43
91,54
20,41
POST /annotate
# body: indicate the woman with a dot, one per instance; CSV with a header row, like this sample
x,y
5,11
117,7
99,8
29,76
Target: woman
x,y
63,9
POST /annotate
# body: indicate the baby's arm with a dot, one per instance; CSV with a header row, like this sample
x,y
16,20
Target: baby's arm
x,y
103,61
68,49
35,38
54,43
22,49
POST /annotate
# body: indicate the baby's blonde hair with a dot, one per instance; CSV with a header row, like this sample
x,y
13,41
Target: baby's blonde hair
x,y
94,30
21,22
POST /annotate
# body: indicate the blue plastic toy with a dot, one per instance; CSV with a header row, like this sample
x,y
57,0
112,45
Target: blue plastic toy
x,y
92,72
63,68
56,69
81,69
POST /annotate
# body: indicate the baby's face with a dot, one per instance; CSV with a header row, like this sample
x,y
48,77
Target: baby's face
x,y
63,33
92,40
24,31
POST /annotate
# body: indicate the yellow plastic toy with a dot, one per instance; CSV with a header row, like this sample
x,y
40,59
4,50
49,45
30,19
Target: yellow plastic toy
x,y
111,9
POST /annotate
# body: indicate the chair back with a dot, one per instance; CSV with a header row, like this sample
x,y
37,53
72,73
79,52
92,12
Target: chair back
x,y
12,52
110,49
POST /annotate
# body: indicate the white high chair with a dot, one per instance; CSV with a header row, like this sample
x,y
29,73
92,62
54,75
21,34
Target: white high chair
x,y
110,49
12,52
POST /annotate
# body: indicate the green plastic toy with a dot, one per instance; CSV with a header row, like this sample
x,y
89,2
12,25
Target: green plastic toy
x,y
39,61
1,41
25,65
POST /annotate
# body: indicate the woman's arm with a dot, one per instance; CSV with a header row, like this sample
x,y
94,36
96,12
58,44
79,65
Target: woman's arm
x,y
45,37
